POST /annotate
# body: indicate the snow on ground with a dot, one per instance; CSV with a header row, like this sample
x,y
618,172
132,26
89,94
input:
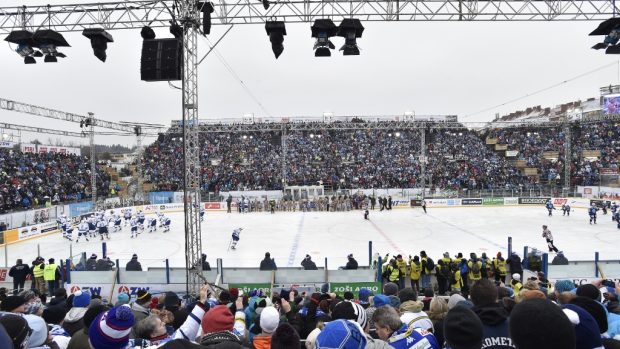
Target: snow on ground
x,y
289,236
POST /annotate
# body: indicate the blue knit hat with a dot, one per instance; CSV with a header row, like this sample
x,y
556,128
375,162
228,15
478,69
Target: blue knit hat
x,y
110,330
586,328
81,299
343,334
381,300
364,294
123,298
564,286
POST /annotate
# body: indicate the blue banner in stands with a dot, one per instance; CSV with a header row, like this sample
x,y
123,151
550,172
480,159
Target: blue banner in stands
x,y
161,197
80,208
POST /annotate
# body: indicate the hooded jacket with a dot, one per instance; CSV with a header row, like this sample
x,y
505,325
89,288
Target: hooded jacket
x,y
494,326
412,314
73,320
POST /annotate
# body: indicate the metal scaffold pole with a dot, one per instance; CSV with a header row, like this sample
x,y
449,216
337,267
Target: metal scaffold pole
x,y
567,155
423,158
93,162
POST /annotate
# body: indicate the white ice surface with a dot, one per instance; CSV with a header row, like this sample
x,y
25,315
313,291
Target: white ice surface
x,y
333,235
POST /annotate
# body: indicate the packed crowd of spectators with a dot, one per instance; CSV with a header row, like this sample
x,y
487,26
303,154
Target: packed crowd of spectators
x,y
28,180
369,158
482,311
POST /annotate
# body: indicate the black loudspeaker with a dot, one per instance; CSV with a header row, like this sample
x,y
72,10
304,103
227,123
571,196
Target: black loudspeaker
x,y
162,60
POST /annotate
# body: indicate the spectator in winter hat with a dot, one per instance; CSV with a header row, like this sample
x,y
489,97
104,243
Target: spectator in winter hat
x,y
140,307
390,328
364,294
269,320
285,337
73,320
494,317
341,334
39,335
13,304
110,330
586,330
80,339
411,312
594,308
17,328
463,329
390,289
122,299
217,327
538,323
564,286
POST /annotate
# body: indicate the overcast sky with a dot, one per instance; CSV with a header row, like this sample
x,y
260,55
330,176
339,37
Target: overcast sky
x,y
427,67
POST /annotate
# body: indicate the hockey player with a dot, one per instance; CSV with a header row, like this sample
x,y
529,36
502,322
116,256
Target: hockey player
x,y
592,212
82,230
117,222
167,222
550,207
62,222
152,224
141,218
617,215
549,237
160,218
68,232
565,210
366,214
614,209
92,226
134,227
202,214
102,225
423,203
235,238
127,216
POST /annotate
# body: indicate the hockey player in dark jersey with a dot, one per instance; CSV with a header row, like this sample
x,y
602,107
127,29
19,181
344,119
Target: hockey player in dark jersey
x,y
592,212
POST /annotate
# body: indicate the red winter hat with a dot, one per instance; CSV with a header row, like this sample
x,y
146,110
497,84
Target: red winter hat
x,y
234,292
218,318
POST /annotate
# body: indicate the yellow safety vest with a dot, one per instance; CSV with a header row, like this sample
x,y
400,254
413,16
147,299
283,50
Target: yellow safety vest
x,y
37,271
49,273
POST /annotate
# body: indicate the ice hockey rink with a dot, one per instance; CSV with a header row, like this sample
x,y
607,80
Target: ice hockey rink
x,y
289,236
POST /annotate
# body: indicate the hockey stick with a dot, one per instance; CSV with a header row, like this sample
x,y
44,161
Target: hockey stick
x,y
229,244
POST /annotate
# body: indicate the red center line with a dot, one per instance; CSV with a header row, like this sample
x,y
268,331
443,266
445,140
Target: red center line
x,y
387,238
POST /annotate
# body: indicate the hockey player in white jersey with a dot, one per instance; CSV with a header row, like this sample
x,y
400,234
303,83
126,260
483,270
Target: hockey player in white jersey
x,y
167,222
140,216
82,230
67,233
152,224
117,223
92,226
160,218
134,227
127,216
235,238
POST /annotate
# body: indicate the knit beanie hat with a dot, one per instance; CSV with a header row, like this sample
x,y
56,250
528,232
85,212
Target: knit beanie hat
x,y
595,309
516,276
123,298
586,329
81,299
172,300
11,302
217,319
16,327
284,337
380,300
143,296
590,291
269,319
394,302
407,294
54,315
38,337
350,311
343,334
538,323
364,294
390,289
110,330
527,294
564,286
463,328
454,300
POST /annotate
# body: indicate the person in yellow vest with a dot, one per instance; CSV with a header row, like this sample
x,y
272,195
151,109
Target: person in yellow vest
x,y
515,283
475,269
402,267
499,268
446,259
37,272
51,274
456,282
415,269
392,271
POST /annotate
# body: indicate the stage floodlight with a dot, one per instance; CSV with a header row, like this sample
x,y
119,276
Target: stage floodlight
x,y
350,29
207,9
266,4
147,33
611,29
276,31
99,39
25,43
48,41
322,30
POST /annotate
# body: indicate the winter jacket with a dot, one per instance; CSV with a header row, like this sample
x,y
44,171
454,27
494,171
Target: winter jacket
x,y
414,270
308,264
412,315
222,340
351,264
494,326
261,341
308,318
514,262
268,264
392,273
19,272
79,340
133,265
402,266
416,338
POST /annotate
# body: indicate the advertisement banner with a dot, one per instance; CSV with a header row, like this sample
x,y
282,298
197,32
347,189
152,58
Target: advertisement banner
x,y
28,148
104,290
493,201
161,197
467,202
533,201
37,229
6,144
559,201
342,287
80,208
212,205
511,201
300,288
512,153
246,288
585,280
436,202
415,202
453,202
171,207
